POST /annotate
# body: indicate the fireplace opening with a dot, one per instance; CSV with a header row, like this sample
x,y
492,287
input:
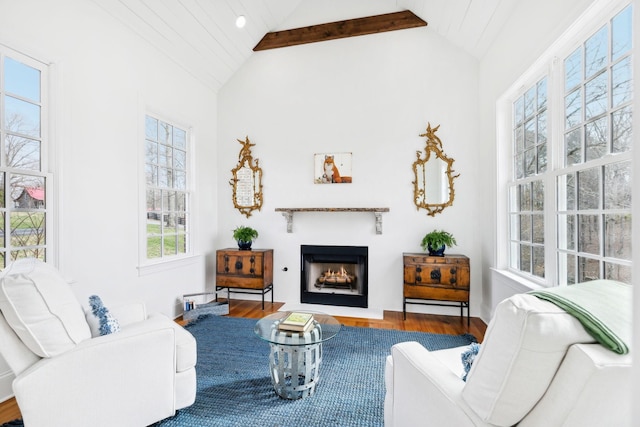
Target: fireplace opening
x,y
334,275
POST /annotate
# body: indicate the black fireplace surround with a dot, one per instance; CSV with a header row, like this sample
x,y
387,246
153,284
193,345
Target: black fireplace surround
x,y
354,259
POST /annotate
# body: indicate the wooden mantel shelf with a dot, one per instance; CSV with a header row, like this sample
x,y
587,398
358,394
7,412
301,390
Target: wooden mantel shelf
x,y
288,214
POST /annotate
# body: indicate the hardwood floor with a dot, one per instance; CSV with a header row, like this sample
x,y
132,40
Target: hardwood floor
x,y
453,325
9,411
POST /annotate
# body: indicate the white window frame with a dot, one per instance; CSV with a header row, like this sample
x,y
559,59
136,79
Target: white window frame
x,y
151,266
516,242
550,63
45,150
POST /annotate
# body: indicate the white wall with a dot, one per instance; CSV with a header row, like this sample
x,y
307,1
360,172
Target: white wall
x,y
372,96
104,78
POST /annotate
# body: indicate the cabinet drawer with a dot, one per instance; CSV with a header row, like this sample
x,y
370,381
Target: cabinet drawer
x,y
241,282
435,293
444,275
244,264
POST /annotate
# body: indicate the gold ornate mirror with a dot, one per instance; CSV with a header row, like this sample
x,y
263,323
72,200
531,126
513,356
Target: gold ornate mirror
x,y
433,186
247,181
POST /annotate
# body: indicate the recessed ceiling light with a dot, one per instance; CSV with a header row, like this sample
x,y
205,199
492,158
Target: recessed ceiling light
x,y
241,21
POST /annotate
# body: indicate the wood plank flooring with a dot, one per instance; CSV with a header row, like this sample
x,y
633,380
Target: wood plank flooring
x,y
453,325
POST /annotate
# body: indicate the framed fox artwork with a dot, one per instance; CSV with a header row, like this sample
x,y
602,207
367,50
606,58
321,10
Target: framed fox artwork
x,y
332,168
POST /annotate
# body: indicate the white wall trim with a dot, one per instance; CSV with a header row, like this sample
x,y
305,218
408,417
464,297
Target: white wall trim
x,y
170,264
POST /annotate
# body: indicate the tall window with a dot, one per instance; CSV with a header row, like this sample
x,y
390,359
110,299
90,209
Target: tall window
x,y
167,196
581,151
594,195
526,194
23,178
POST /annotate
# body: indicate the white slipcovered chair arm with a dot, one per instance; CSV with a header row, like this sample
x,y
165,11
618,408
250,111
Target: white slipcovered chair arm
x,y
101,374
425,391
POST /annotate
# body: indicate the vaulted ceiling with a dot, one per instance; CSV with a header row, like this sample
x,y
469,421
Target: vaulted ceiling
x,y
201,36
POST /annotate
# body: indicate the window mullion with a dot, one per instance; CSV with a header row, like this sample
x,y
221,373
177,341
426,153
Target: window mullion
x,y
556,116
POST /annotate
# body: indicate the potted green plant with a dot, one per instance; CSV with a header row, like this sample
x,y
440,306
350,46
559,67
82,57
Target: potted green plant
x,y
436,241
245,236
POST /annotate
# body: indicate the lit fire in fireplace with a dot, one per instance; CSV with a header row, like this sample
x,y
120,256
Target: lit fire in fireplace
x,y
340,276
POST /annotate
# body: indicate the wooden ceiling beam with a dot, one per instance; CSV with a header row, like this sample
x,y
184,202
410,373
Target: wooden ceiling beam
x,y
340,29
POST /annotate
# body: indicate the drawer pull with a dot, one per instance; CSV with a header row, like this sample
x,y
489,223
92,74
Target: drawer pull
x,y
453,271
418,279
418,269
452,280
226,269
435,274
239,265
252,270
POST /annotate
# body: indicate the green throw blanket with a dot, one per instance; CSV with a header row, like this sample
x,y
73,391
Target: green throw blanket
x,y
602,306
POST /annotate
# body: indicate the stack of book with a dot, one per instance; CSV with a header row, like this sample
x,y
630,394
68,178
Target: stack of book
x,y
296,322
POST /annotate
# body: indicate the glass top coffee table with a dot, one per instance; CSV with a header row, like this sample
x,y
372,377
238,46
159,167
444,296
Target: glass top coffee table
x,y
295,357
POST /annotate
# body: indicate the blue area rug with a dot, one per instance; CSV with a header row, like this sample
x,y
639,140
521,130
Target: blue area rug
x,y
234,385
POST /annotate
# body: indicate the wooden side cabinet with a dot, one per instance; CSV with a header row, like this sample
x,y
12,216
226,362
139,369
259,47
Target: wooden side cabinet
x,y
245,272
433,278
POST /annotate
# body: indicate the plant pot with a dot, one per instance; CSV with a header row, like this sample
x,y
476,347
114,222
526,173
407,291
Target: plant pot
x,y
244,246
436,252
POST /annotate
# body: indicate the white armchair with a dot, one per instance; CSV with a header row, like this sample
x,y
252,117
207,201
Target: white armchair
x,y
64,376
537,367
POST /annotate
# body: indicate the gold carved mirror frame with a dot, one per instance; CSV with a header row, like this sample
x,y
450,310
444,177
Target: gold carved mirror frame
x,y
433,188
247,181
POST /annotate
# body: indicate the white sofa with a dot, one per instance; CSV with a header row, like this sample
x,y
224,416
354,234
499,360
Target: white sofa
x,y
537,367
67,376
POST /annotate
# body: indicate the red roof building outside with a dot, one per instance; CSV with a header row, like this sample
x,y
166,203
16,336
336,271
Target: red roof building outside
x,y
30,197
36,193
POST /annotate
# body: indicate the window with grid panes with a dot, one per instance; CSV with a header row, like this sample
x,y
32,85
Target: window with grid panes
x,y
23,168
167,194
590,175
526,192
594,188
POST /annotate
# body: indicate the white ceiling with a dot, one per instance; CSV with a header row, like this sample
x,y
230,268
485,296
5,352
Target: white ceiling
x,y
201,36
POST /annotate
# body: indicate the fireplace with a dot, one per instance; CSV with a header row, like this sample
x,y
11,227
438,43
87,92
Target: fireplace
x,y
334,275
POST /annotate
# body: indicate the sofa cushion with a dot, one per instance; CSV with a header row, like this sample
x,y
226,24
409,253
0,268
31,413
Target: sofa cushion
x,y
524,345
40,307
593,385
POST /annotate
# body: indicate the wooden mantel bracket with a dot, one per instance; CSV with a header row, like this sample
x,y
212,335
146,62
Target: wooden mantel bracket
x,y
341,29
288,214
